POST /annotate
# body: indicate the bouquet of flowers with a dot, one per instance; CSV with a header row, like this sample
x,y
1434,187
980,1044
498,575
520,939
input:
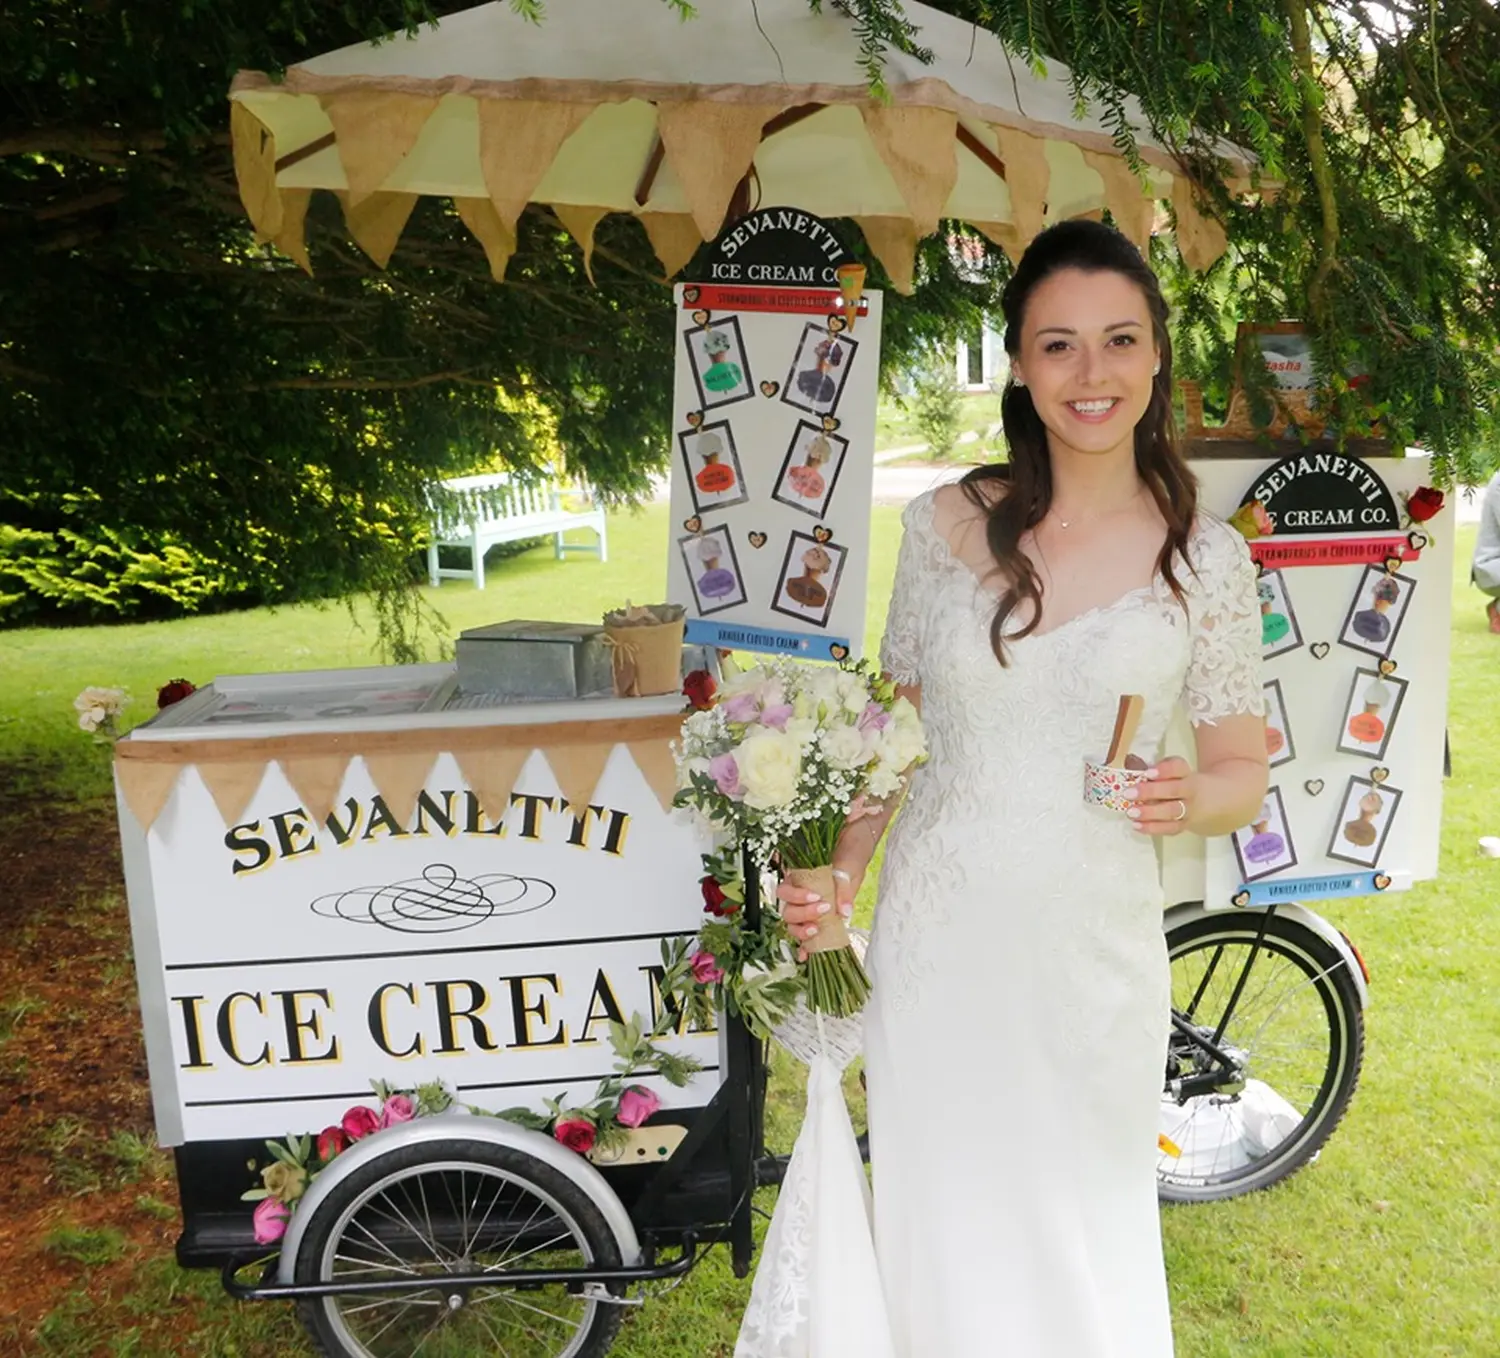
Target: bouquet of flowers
x,y
774,760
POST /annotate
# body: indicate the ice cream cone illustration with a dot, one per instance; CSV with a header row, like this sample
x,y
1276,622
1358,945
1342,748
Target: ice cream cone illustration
x,y
851,287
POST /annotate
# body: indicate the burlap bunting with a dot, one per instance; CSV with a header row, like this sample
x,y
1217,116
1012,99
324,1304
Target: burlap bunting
x,y
492,774
581,222
255,169
400,777
399,763
518,141
919,148
675,238
232,785
483,221
1028,177
894,242
1128,200
317,782
1200,238
1006,235
291,239
711,146
376,223
374,130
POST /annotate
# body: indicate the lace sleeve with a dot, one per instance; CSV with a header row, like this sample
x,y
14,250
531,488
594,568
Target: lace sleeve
x,y
901,647
1224,671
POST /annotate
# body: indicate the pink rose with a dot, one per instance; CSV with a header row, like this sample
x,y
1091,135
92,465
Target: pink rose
x,y
726,775
636,1105
270,1217
359,1122
705,969
874,718
742,707
776,716
397,1108
577,1134
331,1140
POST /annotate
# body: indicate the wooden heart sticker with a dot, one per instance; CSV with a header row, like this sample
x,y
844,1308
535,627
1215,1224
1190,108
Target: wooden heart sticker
x,y
1392,565
1319,649
757,540
1379,775
700,317
838,652
693,525
1388,667
1417,539
1241,897
690,295
830,423
1381,880
822,534
837,325
769,388
695,418
1313,786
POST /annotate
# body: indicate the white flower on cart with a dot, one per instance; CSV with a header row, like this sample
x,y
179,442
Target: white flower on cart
x,y
770,763
97,706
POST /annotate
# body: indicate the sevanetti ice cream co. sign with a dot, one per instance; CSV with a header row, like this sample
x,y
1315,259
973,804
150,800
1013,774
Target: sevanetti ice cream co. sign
x,y
289,958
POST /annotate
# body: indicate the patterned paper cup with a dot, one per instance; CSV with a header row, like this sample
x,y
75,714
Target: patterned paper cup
x,y
1105,786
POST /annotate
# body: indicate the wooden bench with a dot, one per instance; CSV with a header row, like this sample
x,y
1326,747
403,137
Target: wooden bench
x,y
479,511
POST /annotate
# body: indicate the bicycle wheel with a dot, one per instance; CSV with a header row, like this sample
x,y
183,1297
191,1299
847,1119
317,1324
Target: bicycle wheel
x,y
453,1207
1295,1039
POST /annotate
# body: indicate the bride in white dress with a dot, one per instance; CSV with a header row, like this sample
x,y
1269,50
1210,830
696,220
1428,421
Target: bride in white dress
x,y
1016,1038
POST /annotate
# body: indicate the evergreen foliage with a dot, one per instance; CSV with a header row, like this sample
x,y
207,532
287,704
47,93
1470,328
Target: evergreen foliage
x,y
188,421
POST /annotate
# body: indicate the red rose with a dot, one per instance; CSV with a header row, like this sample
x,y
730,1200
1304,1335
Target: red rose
x,y
1423,503
359,1122
577,1134
699,689
331,1140
715,902
174,691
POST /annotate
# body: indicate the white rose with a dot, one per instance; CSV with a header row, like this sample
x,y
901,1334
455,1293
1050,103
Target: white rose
x,y
770,764
687,768
852,692
884,780
844,747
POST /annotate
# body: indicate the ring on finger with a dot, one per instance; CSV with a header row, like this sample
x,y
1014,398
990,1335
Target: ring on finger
x,y
840,874
1181,810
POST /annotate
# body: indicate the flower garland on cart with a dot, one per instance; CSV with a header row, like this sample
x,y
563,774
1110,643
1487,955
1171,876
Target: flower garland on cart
x,y
771,764
600,1125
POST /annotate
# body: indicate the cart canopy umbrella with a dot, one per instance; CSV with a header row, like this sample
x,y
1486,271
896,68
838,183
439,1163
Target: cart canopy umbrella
x,y
622,106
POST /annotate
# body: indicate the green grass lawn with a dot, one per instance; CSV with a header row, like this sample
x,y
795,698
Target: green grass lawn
x,y
1389,1245
896,425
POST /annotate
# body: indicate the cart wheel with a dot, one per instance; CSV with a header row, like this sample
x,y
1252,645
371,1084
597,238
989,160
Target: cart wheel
x,y
455,1207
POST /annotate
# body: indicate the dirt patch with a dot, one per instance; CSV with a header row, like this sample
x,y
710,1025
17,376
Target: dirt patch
x,y
75,1111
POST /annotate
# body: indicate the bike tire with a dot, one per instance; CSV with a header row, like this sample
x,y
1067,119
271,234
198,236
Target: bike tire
x,y
1299,979
374,1220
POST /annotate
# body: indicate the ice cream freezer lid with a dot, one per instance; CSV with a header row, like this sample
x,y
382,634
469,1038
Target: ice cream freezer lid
x,y
572,632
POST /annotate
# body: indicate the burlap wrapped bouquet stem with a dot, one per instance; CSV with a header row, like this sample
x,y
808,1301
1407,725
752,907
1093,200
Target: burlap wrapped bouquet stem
x,y
832,931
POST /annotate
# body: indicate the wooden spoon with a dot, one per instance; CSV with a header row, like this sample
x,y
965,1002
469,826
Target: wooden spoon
x,y
1127,719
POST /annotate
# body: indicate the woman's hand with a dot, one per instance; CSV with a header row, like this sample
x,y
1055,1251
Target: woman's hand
x,y
1165,798
801,909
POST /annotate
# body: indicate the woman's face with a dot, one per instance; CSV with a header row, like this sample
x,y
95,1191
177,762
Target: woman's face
x,y
1086,355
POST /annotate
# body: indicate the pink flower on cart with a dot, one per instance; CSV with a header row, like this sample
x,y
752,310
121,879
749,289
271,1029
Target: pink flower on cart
x,y
397,1108
706,969
359,1122
637,1103
726,775
270,1219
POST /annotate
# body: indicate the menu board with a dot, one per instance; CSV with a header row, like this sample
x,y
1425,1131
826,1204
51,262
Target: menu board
x,y
772,462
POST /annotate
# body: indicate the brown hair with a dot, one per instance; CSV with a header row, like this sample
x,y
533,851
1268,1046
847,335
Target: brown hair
x,y
1093,248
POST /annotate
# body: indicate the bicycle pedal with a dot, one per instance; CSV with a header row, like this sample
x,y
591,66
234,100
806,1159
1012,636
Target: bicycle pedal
x,y
642,1146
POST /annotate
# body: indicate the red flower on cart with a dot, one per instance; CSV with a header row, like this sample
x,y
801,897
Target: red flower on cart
x,y
577,1134
360,1121
331,1140
699,689
1423,503
715,902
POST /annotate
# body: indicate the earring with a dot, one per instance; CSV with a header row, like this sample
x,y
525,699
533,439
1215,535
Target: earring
x,y
1156,371
1018,381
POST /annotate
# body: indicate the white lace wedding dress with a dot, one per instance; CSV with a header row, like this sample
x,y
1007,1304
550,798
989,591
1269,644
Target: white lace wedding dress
x,y
1016,1038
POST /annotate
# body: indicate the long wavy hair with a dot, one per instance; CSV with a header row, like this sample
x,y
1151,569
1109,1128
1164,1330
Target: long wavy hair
x,y
1093,248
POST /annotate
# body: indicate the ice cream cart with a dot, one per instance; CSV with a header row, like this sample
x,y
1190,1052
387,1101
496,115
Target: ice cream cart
x,y
342,876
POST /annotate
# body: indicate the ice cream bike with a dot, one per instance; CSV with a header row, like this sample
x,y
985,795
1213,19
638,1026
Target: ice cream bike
x,y
467,875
